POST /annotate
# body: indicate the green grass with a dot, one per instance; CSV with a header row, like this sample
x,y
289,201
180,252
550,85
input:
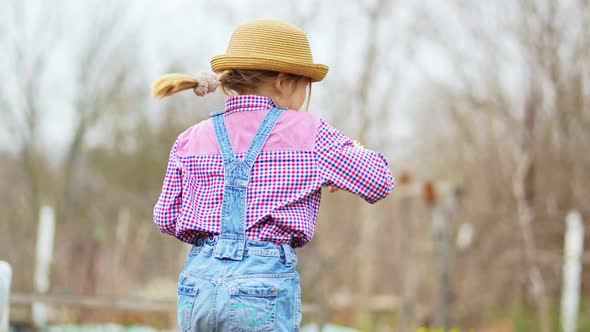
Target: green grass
x,y
525,319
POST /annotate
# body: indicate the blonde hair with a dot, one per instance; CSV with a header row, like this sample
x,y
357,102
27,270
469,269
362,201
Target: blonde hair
x,y
202,83
232,81
240,81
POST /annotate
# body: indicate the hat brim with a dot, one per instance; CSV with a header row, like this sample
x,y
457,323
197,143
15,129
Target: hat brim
x,y
316,72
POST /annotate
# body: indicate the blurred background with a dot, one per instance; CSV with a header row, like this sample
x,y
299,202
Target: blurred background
x,y
481,107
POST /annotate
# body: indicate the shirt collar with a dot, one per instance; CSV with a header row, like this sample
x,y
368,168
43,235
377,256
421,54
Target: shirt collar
x,y
241,103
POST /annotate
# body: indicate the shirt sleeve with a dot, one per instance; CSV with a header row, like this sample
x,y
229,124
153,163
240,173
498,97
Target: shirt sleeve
x,y
169,204
358,170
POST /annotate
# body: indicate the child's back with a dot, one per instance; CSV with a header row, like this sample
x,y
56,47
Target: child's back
x,y
244,187
302,154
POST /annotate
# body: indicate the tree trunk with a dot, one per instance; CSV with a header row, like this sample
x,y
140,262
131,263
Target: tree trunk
x,y
524,194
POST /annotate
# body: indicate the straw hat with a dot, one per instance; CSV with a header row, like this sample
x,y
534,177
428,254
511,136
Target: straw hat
x,y
270,45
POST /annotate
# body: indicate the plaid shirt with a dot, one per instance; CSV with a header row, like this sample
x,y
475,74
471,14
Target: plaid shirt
x,y
302,155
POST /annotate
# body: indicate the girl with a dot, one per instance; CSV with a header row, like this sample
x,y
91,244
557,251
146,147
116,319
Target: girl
x,y
244,186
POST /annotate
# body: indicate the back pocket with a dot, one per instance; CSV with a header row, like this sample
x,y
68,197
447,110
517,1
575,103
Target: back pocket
x,y
252,309
186,301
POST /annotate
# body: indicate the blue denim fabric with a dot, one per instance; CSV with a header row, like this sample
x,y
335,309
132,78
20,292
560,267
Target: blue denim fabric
x,y
232,283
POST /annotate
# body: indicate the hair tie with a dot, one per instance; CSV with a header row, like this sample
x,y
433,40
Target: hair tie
x,y
208,82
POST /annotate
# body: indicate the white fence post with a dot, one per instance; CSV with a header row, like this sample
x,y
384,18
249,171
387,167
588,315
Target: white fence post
x,y
572,269
5,279
45,237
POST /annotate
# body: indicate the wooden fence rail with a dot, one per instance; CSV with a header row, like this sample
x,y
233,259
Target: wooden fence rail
x,y
136,304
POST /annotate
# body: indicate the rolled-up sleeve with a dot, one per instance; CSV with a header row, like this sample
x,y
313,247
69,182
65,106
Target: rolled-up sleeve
x,y
358,170
169,203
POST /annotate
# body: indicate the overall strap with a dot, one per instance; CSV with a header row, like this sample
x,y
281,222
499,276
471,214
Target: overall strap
x,y
266,127
232,240
227,152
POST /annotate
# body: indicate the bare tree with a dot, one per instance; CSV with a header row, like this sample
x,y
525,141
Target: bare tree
x,y
367,218
98,51
27,42
541,32
103,81
100,69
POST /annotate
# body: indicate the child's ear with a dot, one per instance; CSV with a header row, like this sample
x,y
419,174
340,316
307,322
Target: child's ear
x,y
279,83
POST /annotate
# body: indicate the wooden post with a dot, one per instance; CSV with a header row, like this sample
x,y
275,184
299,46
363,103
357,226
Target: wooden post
x,y
442,252
572,269
406,319
5,280
441,245
44,256
366,271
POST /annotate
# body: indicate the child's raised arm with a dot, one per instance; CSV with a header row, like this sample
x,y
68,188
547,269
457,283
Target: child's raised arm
x,y
348,166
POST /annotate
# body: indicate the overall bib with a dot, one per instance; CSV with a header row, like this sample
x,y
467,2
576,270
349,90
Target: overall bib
x,y
232,283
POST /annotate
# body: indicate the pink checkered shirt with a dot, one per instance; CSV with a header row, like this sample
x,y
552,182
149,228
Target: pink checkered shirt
x,y
302,154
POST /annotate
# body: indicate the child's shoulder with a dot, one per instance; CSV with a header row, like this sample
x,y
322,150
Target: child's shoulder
x,y
199,127
199,137
299,126
303,120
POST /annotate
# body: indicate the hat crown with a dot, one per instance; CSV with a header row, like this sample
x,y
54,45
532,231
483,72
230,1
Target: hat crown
x,y
271,38
270,45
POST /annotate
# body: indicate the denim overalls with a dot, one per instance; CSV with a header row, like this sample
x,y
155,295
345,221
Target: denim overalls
x,y
232,283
